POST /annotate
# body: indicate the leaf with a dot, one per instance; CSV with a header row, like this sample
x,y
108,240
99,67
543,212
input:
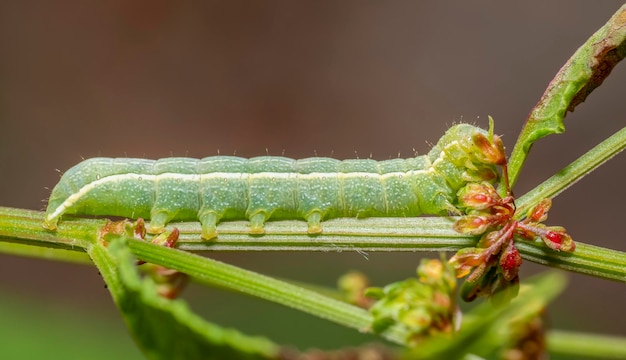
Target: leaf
x,y
163,328
583,72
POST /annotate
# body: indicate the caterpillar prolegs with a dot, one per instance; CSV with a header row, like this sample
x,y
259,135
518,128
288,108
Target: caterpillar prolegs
x,y
259,189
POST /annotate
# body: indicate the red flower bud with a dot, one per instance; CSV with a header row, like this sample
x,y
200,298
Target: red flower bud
x,y
472,224
510,261
540,212
557,239
478,196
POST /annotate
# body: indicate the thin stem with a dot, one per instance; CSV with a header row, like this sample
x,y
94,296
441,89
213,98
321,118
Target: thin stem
x,y
25,226
216,273
41,252
586,345
375,234
372,234
573,172
587,259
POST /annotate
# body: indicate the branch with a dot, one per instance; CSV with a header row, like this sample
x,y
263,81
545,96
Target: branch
x,y
374,234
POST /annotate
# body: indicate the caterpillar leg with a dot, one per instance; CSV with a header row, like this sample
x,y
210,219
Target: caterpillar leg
x,y
443,204
209,222
314,220
158,220
50,223
257,222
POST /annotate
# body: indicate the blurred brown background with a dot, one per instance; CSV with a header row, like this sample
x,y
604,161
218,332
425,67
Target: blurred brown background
x,y
161,78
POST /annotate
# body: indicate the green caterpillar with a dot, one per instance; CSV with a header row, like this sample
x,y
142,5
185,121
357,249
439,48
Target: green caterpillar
x,y
220,188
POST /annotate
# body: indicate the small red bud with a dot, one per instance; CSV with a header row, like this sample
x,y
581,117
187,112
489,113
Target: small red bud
x,y
566,243
556,238
472,224
478,196
510,262
540,212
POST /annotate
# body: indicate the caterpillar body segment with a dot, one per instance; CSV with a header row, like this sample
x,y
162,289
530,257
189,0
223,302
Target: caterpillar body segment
x,y
222,188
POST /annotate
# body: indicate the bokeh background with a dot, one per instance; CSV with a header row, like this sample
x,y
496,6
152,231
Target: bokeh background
x,y
343,79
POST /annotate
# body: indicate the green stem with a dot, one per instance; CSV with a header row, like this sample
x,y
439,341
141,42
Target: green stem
x,y
216,273
587,259
25,226
586,345
375,234
573,172
41,252
372,234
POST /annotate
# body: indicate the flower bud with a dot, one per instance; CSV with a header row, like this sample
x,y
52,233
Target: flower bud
x,y
490,152
510,261
557,239
465,259
472,224
540,212
478,196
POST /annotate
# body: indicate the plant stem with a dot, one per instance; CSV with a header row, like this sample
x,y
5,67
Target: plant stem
x,y
25,226
216,273
374,234
586,345
41,252
587,259
573,172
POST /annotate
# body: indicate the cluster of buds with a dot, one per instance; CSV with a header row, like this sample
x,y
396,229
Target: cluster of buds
x,y
421,306
493,265
169,282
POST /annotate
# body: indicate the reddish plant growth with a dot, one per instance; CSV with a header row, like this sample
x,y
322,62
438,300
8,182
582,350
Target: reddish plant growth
x,y
493,265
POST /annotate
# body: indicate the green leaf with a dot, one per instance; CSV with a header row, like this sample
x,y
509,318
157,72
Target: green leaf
x,y
583,72
163,328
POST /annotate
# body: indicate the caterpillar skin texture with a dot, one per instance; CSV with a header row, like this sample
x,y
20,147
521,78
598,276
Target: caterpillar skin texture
x,y
220,188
